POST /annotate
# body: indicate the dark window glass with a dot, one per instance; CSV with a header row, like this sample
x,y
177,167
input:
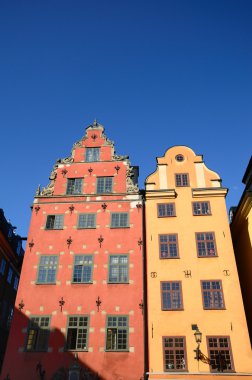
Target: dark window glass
x,y
220,354
74,186
174,354
87,221
47,269
104,184
92,154
83,267
54,222
171,294
77,333
212,295
168,246
3,266
206,244
117,333
38,334
118,268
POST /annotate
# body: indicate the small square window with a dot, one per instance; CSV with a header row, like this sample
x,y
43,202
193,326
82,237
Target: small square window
x,y
212,294
166,209
117,333
201,208
47,269
174,354
74,186
77,333
92,154
83,268
171,294
220,354
87,221
206,244
119,219
54,222
168,246
104,185
182,180
118,269
38,334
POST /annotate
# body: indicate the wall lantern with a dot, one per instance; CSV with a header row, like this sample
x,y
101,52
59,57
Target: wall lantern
x,y
198,339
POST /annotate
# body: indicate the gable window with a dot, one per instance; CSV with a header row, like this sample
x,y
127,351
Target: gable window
x,y
77,333
201,208
119,219
104,185
174,353
74,186
54,222
38,334
182,180
212,294
9,276
206,244
220,354
166,209
117,333
171,295
92,154
168,246
47,269
87,221
83,268
118,269
3,266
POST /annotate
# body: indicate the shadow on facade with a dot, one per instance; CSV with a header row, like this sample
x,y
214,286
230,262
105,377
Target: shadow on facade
x,y
54,364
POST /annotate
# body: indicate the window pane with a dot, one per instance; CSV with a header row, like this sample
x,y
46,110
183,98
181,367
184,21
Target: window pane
x,y
104,184
83,265
117,333
118,269
74,186
87,221
119,219
92,154
47,269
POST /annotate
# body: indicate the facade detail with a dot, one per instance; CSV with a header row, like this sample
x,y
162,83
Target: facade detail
x,y
196,321
11,258
241,230
82,278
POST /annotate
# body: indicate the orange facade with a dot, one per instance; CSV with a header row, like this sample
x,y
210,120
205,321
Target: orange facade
x,y
82,278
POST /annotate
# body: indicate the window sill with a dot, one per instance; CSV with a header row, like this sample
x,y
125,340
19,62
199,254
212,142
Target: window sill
x,y
118,283
86,228
45,283
117,350
82,283
119,227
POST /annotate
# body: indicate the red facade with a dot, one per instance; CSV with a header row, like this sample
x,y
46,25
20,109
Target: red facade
x,y
82,278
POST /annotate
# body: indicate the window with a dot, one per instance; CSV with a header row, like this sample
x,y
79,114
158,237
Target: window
x,y
220,354
168,246
74,186
9,276
19,248
2,266
38,334
54,222
205,244
77,333
118,269
9,317
174,354
182,180
16,281
92,154
87,221
47,269
117,333
83,268
171,295
201,208
212,294
119,219
179,158
104,184
166,209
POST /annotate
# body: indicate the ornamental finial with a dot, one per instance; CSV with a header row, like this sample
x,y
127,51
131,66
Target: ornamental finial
x,y
95,124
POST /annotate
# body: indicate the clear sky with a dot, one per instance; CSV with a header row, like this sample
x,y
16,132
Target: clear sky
x,y
155,73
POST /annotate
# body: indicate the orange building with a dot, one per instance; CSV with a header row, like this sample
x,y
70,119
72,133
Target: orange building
x,y
79,305
196,322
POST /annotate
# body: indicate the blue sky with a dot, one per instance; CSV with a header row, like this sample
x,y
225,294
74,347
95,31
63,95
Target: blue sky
x,y
155,73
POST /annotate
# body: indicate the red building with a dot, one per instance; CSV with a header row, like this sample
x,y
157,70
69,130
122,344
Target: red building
x,y
79,308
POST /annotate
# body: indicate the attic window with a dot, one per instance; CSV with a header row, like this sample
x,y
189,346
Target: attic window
x,y
179,158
